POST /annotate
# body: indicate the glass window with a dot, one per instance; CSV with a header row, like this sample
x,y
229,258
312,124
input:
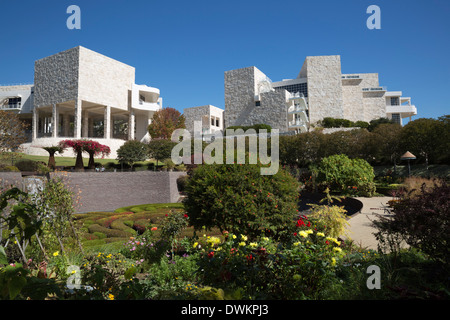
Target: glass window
x,y
395,101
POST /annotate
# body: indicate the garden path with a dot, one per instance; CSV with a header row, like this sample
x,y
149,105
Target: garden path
x,y
360,227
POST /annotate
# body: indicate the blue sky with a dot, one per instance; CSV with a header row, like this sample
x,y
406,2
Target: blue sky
x,y
184,47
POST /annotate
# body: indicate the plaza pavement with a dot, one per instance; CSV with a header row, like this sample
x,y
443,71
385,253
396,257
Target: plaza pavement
x,y
360,229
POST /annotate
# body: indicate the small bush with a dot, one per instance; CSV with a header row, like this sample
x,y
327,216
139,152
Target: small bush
x,y
238,199
422,221
181,183
27,165
9,169
339,173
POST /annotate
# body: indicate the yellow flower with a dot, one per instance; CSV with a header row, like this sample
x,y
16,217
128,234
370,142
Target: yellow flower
x,y
111,296
265,239
253,244
74,271
195,245
337,249
234,236
56,253
303,234
296,243
242,243
309,231
320,234
333,261
244,237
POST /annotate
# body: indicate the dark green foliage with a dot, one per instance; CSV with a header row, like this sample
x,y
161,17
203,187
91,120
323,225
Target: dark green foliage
x,y
341,174
27,165
131,152
423,221
160,149
238,199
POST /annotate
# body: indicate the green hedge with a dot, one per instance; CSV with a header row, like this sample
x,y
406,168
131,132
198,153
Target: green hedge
x,y
110,233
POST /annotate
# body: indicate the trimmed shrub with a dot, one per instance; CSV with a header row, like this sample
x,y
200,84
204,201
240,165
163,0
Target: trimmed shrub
x,y
238,199
27,165
119,225
110,233
9,169
340,174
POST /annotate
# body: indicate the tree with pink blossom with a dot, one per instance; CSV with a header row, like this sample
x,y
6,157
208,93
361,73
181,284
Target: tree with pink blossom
x,y
93,148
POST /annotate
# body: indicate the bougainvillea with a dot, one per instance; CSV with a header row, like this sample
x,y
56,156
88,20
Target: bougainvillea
x,y
93,148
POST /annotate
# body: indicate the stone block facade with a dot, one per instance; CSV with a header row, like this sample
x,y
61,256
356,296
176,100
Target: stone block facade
x,y
326,92
56,78
324,87
249,100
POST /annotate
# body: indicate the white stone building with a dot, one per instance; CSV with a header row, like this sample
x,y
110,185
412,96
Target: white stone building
x,y
210,117
320,90
81,94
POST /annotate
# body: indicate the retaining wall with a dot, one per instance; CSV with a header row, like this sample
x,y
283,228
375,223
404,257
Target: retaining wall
x,y
107,191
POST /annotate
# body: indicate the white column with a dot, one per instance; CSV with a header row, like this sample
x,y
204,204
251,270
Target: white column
x,y
77,122
91,127
35,129
85,124
131,126
55,121
107,123
66,125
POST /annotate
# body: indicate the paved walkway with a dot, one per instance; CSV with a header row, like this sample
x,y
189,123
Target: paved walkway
x,y
360,229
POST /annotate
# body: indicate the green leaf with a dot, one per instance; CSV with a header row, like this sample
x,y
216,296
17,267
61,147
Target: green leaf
x,y
3,258
130,273
15,286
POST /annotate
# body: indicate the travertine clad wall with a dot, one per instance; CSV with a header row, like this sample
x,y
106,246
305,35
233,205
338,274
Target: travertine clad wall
x,y
360,105
239,95
103,80
324,87
56,78
195,114
241,86
80,73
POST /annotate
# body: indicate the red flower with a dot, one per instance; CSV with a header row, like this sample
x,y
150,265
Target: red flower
x,y
185,215
300,223
249,258
211,254
295,234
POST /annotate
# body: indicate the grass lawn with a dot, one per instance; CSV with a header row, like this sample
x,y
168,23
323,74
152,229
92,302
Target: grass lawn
x,y
70,161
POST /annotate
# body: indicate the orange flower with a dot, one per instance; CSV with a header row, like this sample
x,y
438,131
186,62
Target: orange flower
x,y
154,229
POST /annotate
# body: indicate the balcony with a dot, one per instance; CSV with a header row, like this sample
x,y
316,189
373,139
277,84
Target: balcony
x,y
404,110
14,106
296,109
375,89
147,106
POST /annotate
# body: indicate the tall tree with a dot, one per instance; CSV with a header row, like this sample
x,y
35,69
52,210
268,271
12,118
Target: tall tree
x,y
164,122
160,149
387,143
421,137
12,131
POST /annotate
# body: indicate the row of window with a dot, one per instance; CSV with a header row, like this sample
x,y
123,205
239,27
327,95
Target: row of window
x,y
294,88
